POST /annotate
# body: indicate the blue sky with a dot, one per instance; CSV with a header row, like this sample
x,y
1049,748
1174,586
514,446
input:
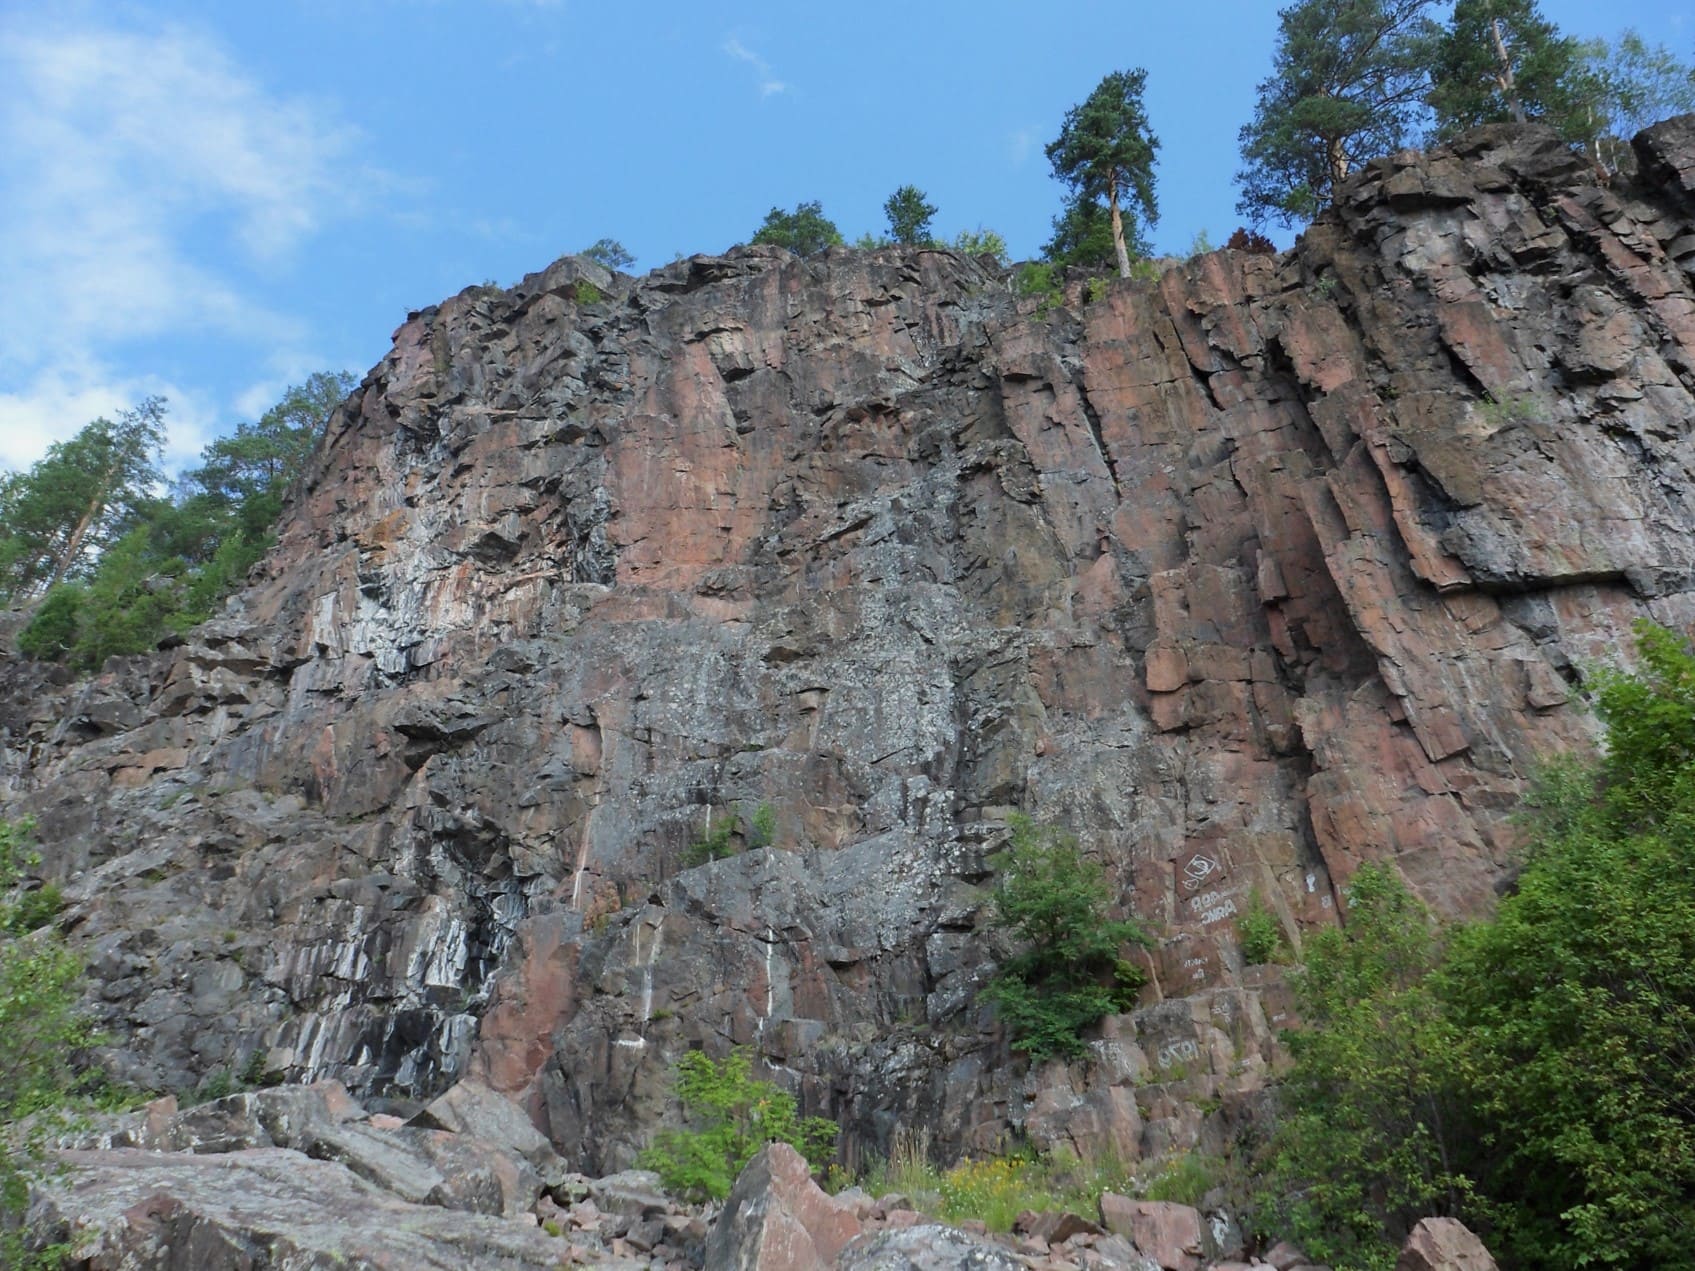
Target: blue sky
x,y
211,200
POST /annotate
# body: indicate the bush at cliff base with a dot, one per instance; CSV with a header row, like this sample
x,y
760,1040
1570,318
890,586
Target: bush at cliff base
x,y
41,1032
730,1115
1535,1076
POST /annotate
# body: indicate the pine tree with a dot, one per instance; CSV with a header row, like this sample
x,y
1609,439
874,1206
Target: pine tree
x,y
1105,150
77,499
1502,60
909,214
1347,84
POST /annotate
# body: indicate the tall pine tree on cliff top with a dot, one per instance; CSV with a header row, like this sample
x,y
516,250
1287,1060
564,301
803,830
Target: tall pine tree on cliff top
x,y
1502,60
1348,82
1106,149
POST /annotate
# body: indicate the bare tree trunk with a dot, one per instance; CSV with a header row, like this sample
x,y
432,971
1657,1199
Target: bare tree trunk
x,y
1117,228
1509,86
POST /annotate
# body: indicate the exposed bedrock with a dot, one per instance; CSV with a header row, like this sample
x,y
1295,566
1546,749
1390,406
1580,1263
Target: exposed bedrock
x,y
1275,567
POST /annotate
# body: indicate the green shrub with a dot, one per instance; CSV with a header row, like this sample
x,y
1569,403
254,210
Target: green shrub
x,y
716,844
1039,279
1371,1118
42,1036
731,1115
1260,933
587,293
1186,1179
981,242
1070,973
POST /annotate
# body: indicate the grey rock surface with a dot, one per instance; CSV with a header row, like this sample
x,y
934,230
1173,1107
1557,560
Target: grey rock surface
x,y
1248,576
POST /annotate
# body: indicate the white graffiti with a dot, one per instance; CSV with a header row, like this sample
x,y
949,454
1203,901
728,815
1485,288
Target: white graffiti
x,y
1177,1053
1218,913
1197,871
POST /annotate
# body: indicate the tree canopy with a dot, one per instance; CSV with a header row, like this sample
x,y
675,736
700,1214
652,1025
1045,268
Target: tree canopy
x,y
80,497
1106,150
1534,1075
609,252
1499,60
910,214
1347,84
805,231
167,562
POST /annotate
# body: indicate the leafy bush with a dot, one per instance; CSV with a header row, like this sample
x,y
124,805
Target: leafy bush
x,y
1578,1001
1041,280
41,1035
1251,242
731,1116
1259,932
1535,1079
980,242
805,231
1371,1121
716,844
1070,973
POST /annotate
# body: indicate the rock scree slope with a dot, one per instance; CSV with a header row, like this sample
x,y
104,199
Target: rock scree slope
x,y
1246,577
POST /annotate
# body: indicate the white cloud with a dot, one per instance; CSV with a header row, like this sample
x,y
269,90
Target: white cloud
x,y
769,84
1020,142
56,403
141,175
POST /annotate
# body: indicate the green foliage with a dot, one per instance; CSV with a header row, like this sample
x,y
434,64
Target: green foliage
x,y
1200,245
1536,1078
730,1115
1370,1121
1578,1000
1499,412
1041,280
609,252
1186,1179
734,833
1624,87
587,293
980,242
82,495
1070,972
1105,150
910,214
806,231
1082,236
1471,83
176,559
41,1032
1347,82
1260,933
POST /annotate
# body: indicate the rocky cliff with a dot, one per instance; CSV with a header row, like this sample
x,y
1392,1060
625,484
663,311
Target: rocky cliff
x,y
1246,577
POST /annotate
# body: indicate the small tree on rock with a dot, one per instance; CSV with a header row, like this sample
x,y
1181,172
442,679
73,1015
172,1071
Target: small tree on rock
x,y
1071,971
1105,150
609,252
806,231
909,214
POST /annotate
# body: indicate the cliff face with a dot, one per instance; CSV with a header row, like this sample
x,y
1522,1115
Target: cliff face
x,y
1275,567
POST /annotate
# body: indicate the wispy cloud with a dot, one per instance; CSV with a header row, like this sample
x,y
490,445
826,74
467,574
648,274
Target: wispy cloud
x,y
1020,142
769,84
141,175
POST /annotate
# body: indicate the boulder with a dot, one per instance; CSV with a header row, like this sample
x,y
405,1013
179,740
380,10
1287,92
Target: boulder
x,y
180,1211
1172,1235
777,1219
1443,1244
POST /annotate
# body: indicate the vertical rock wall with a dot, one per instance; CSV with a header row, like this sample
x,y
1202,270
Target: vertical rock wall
x,y
1275,567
